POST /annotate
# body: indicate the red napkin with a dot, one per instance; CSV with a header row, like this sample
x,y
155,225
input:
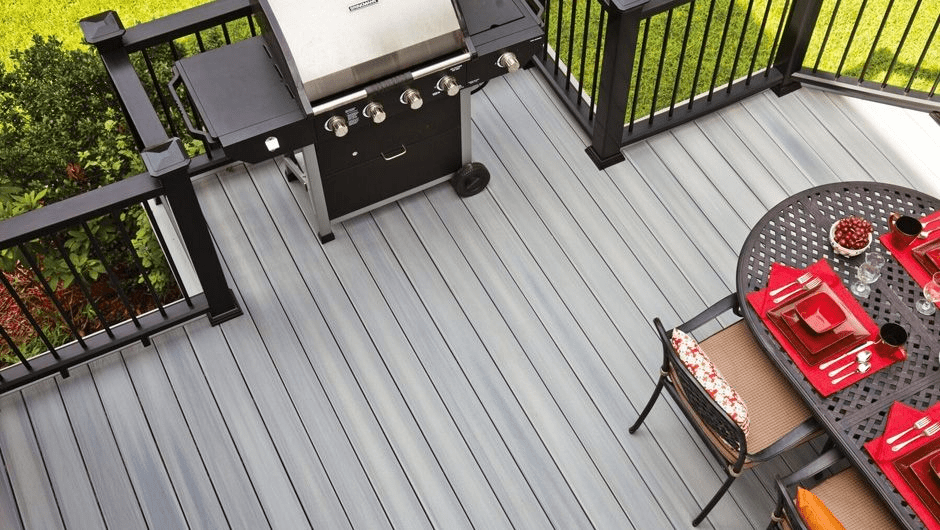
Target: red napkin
x,y
905,256
901,417
762,302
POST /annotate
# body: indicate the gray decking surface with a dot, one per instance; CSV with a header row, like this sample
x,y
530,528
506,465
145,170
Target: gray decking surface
x,y
449,363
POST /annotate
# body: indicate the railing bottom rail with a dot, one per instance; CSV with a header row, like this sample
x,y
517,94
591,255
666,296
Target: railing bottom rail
x,y
896,96
125,333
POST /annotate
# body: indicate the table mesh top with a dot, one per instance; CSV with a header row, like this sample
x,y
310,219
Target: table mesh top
x,y
796,233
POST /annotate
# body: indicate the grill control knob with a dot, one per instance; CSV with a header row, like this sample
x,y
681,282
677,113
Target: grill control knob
x,y
375,112
338,125
412,98
449,85
509,61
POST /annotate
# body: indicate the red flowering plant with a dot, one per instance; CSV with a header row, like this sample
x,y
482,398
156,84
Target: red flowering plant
x,y
41,308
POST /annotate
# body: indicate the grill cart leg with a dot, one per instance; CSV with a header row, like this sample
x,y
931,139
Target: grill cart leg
x,y
471,179
315,190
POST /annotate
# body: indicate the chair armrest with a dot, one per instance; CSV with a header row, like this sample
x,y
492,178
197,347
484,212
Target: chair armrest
x,y
727,303
795,437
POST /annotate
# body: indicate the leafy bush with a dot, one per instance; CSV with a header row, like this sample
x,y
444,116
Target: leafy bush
x,y
61,135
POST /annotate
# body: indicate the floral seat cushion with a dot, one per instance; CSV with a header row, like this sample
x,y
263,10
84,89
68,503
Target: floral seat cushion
x,y
710,378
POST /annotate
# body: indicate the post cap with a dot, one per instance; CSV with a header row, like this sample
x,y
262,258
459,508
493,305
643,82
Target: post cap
x,y
165,158
103,30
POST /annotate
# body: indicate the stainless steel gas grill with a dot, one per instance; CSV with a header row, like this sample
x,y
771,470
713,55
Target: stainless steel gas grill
x,y
372,92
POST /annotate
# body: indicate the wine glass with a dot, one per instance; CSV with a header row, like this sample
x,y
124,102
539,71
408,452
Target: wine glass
x,y
867,273
928,304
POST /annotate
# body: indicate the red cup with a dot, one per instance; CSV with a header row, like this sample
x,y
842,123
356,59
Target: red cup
x,y
904,229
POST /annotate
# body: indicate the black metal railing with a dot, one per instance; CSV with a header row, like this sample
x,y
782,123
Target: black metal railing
x,y
139,60
75,285
628,69
885,69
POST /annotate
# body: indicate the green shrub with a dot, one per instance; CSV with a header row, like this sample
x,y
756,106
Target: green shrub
x,y
61,134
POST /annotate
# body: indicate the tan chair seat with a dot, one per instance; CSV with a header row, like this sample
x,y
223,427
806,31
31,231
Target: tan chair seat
x,y
774,407
853,502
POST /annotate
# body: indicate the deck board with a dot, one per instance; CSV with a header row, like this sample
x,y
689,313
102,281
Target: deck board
x,y
67,474
445,362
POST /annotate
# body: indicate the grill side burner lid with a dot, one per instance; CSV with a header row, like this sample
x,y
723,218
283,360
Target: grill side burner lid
x,y
339,44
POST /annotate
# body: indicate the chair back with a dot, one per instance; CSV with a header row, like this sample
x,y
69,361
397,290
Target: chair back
x,y
699,405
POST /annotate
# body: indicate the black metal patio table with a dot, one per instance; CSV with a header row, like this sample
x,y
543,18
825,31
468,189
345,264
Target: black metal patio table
x,y
796,233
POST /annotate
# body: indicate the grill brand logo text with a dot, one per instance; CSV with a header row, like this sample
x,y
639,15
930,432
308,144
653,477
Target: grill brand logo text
x,y
363,4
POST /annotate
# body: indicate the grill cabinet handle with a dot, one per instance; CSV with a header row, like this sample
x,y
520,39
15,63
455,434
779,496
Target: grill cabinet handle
x,y
179,104
396,155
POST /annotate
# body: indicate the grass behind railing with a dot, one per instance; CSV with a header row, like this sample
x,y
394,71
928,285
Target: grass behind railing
x,y
852,55
657,86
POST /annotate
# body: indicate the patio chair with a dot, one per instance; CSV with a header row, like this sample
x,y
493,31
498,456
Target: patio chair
x,y
845,495
775,418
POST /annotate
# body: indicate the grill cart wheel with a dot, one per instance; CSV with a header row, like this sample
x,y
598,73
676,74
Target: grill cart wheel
x,y
470,179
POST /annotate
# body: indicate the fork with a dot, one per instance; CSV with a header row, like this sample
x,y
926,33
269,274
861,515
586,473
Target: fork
x,y
919,424
805,277
808,286
926,433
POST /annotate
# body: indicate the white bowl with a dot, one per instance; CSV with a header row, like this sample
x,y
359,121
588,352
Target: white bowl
x,y
839,249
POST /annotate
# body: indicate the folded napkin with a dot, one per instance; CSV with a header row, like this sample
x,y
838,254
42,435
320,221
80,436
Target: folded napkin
x,y
900,417
762,302
905,255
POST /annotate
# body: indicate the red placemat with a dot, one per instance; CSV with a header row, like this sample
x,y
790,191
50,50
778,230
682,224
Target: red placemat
x,y
901,417
905,255
762,302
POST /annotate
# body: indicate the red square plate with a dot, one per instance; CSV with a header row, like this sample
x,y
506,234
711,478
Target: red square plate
x,y
916,469
928,255
814,347
820,311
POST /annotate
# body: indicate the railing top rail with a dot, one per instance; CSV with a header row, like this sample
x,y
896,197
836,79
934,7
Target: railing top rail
x,y
58,215
184,23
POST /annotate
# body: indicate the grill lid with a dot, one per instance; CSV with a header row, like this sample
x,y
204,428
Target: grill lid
x,y
340,44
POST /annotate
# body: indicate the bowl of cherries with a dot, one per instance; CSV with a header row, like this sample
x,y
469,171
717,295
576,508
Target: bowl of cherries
x,y
850,236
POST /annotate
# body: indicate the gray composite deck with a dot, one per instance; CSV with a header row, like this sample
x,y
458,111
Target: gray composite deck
x,y
449,363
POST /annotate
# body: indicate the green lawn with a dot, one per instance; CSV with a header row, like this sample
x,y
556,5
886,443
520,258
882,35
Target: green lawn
x,y
25,18
698,64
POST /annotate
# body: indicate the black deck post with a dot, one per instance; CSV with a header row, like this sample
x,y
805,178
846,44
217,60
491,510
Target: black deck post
x,y
169,163
794,42
620,38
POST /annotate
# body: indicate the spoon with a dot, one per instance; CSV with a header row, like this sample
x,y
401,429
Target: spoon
x,y
863,357
862,368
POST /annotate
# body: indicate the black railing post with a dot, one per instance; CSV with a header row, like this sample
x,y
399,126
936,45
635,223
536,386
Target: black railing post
x,y
794,42
620,38
169,163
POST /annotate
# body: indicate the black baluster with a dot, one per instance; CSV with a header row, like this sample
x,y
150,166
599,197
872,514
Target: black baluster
x,y
737,53
112,277
685,42
639,74
701,53
721,50
29,316
825,41
16,351
34,266
760,39
83,285
907,30
923,54
659,71
848,44
137,263
584,35
874,44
